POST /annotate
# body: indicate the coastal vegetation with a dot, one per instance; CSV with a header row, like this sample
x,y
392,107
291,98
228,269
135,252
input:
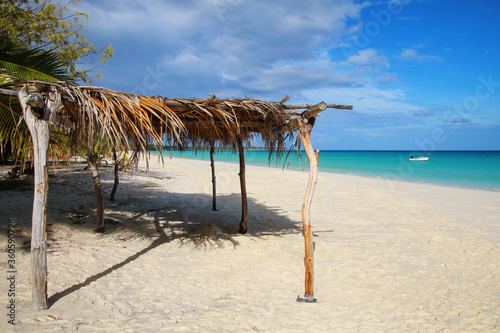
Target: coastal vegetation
x,y
47,25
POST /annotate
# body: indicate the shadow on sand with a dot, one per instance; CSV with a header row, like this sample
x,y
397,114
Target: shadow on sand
x,y
147,210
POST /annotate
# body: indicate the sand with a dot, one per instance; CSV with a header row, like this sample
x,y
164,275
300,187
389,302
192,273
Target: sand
x,y
389,256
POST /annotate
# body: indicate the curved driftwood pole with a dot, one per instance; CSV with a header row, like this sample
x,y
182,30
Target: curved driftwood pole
x,y
305,123
38,122
306,215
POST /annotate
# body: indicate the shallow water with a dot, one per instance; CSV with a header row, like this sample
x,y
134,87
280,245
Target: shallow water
x,y
479,169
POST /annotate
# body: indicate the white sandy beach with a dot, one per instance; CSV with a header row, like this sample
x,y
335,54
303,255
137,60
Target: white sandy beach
x,y
389,256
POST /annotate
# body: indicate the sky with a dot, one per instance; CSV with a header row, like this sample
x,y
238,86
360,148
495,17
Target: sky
x,y
422,75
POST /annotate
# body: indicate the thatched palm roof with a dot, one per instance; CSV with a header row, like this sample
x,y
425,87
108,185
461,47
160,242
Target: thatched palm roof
x,y
212,120
134,121
127,120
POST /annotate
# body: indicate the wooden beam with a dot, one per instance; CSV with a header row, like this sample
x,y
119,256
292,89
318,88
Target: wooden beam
x,y
209,100
292,125
9,92
308,106
171,102
286,98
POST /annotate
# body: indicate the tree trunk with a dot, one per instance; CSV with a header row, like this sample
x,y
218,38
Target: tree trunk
x,y
214,185
116,182
244,201
40,134
93,164
305,132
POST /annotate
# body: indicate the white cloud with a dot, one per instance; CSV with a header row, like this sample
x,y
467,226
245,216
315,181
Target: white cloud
x,y
246,44
408,18
366,99
387,78
201,20
457,120
311,50
414,55
400,2
288,78
368,58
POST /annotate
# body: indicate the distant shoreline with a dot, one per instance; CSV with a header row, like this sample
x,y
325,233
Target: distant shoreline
x,y
351,174
207,148
446,168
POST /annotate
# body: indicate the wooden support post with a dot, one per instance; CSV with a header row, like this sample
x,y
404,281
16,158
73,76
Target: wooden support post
x,y
214,185
39,127
116,182
244,201
94,167
305,127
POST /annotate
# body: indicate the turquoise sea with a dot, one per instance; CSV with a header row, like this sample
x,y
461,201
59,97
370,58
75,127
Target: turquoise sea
x,y
477,169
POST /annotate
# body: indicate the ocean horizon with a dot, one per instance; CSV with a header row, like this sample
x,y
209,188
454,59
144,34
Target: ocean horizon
x,y
463,168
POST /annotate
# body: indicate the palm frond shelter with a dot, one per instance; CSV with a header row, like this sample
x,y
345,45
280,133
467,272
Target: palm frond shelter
x,y
132,122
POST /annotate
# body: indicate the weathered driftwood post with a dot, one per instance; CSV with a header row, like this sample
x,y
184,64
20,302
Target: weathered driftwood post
x,y
244,200
38,112
306,124
214,185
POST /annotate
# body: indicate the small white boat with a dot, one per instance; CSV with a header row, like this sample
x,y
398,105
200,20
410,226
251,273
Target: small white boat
x,y
418,159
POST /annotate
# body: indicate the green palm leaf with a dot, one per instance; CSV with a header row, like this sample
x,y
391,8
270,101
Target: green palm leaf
x,y
34,64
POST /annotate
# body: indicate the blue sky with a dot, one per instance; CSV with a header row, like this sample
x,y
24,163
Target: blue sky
x,y
422,74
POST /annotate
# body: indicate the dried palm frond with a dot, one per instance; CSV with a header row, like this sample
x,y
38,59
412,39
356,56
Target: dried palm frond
x,y
134,122
215,120
126,120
